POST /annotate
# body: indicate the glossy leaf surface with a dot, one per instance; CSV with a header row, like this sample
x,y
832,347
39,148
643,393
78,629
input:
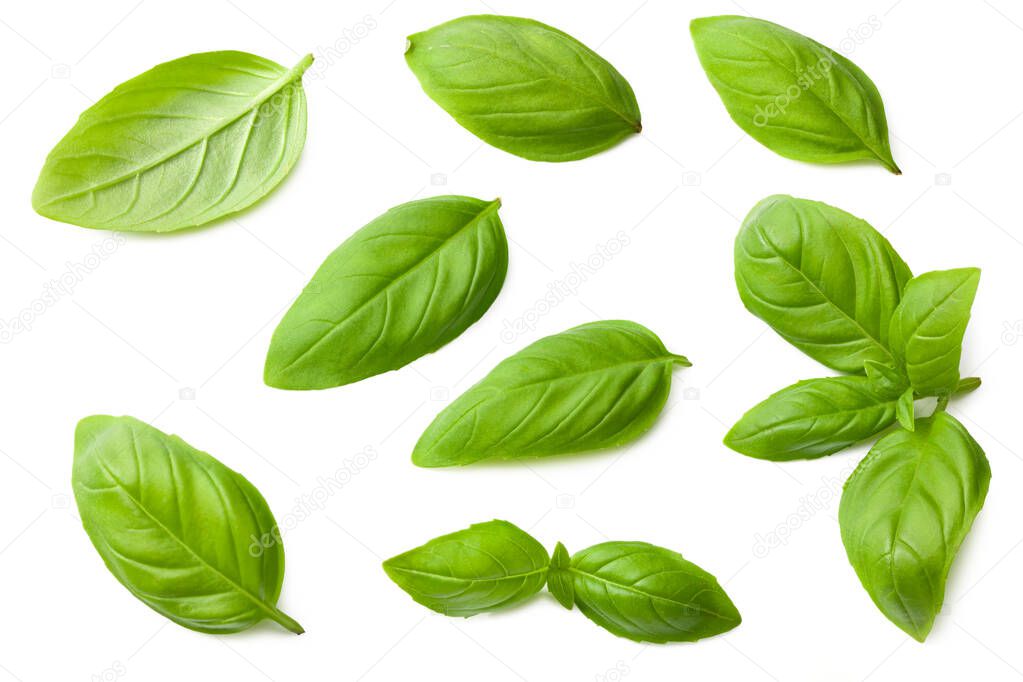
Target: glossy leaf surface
x,y
791,94
559,577
649,594
186,535
185,143
825,280
524,87
595,386
928,326
485,567
403,286
813,418
904,512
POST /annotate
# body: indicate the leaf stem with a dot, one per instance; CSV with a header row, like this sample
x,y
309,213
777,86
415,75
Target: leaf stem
x,y
286,621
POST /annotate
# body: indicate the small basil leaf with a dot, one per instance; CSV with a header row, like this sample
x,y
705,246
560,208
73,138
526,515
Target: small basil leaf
x,y
884,379
186,535
904,512
559,578
791,94
185,143
524,87
928,326
403,286
813,418
826,281
904,410
967,385
485,567
649,594
595,386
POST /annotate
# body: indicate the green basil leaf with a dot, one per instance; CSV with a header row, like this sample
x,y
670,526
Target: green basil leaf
x,y
791,94
885,379
559,577
649,594
595,386
825,280
813,418
904,410
185,143
485,567
186,535
524,87
967,385
401,287
928,326
904,512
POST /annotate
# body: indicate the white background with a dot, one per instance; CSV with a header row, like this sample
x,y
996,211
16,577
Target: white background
x,y
173,330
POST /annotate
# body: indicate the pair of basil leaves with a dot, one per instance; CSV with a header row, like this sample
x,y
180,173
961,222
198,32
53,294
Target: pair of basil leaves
x,y
832,286
202,137
415,278
189,537
536,92
632,589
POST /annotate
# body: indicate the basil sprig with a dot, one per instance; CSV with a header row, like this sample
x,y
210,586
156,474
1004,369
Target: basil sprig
x,y
837,290
632,589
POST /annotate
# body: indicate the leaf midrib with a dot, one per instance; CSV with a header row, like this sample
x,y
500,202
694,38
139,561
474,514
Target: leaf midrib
x,y
635,590
439,576
289,76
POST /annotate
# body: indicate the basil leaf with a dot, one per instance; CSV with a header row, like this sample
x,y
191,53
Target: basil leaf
x,y
904,410
595,386
826,281
185,143
524,87
928,326
485,567
401,287
904,512
186,535
649,594
559,577
791,94
813,418
967,385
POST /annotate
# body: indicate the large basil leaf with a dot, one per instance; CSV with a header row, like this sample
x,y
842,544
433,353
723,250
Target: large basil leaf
x,y
595,386
813,418
904,512
792,94
649,594
189,537
825,280
928,326
401,287
524,87
485,567
183,144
